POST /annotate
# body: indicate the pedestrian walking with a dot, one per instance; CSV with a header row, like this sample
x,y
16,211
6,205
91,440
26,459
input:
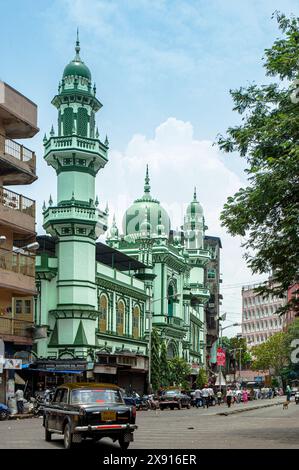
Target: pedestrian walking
x,y
244,395
19,395
229,396
205,396
219,397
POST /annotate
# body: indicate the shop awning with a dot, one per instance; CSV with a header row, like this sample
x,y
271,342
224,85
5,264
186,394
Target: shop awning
x,y
59,371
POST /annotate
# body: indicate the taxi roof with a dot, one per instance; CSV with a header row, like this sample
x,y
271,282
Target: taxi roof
x,y
91,385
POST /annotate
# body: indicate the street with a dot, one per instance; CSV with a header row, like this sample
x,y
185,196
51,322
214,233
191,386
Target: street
x,y
266,428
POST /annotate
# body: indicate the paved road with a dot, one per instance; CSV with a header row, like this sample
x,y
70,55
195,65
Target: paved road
x,y
270,428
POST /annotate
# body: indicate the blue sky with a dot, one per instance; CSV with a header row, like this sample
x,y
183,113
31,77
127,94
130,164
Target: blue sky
x,y
163,71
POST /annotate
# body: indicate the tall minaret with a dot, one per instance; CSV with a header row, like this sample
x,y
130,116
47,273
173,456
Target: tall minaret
x,y
77,154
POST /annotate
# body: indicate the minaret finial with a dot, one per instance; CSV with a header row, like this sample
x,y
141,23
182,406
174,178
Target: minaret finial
x,y
77,48
194,195
147,187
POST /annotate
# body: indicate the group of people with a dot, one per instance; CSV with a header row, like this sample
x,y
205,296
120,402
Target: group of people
x,y
206,396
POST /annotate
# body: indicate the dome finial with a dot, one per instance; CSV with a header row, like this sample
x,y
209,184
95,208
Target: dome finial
x,y
194,195
147,187
77,48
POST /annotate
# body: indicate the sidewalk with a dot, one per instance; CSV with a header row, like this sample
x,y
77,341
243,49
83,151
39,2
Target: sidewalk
x,y
254,405
23,416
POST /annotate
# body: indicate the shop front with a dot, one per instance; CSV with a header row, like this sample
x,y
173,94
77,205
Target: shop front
x,y
128,371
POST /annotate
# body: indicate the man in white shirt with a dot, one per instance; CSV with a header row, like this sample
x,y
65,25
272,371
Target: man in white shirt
x,y
205,396
20,400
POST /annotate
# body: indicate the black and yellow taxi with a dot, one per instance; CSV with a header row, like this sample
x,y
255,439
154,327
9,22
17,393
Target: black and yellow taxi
x,y
89,410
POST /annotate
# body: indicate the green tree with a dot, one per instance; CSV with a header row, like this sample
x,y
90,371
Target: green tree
x,y
155,359
273,355
180,371
202,378
266,212
164,366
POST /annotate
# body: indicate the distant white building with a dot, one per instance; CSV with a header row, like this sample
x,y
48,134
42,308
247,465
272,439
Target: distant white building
x,y
259,317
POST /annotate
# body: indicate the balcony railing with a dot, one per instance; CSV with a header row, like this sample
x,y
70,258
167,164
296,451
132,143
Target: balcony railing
x,y
18,151
11,326
17,202
17,262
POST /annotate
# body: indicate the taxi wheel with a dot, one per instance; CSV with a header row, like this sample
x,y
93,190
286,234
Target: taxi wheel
x,y
48,435
67,438
188,406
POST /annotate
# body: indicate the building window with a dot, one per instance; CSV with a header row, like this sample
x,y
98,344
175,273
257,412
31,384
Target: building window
x,y
23,306
135,322
120,315
103,313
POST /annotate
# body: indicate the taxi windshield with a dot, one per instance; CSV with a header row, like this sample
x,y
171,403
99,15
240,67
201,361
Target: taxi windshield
x,y
172,392
97,396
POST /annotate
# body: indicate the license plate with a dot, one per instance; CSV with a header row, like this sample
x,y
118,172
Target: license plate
x,y
108,415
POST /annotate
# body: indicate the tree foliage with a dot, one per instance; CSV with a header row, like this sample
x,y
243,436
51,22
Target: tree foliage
x,y
179,372
272,355
155,359
266,212
164,368
202,378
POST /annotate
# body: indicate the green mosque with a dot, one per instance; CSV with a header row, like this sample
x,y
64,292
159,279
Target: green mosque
x,y
98,302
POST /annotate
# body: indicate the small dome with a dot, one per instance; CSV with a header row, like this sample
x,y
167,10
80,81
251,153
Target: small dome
x,y
145,227
194,208
148,210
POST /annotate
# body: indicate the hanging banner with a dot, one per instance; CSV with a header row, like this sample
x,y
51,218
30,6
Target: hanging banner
x,y
213,353
220,357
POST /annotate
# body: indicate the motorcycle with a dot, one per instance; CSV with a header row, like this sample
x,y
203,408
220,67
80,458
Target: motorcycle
x,y
38,406
297,398
4,412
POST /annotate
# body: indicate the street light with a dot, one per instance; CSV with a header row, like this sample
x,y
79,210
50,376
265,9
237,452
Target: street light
x,y
150,334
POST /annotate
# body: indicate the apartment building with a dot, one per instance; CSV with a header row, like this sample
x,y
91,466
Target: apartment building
x,y
259,315
18,120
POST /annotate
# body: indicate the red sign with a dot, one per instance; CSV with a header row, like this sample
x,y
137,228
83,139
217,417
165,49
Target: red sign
x,y
220,357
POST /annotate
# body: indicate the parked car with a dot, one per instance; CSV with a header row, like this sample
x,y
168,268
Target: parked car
x,y
89,410
174,398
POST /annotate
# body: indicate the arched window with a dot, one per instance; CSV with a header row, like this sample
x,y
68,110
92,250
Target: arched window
x,y
68,120
120,316
82,120
135,322
170,294
103,313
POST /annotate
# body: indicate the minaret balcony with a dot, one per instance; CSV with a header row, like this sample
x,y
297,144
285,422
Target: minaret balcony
x,y
199,256
66,145
73,213
199,292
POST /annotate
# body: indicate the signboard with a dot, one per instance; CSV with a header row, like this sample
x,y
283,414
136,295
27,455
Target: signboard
x,y
258,379
220,357
1,364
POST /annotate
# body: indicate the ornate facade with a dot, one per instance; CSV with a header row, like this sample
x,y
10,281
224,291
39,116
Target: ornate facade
x,y
97,303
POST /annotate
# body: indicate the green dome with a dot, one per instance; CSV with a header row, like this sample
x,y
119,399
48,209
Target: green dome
x,y
145,209
194,208
77,68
